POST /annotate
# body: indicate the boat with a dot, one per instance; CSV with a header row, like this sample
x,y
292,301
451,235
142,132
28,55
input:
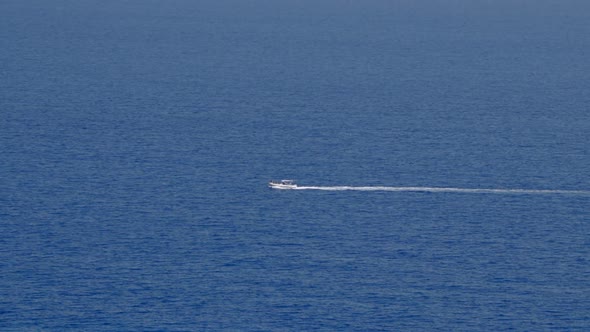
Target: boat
x,y
283,184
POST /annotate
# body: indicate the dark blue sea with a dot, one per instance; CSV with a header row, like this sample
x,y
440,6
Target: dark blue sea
x,y
137,139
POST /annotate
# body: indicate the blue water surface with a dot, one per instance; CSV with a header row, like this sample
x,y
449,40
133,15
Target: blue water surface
x,y
137,138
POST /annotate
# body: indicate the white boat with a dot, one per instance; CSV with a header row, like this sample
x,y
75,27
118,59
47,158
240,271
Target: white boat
x,y
283,184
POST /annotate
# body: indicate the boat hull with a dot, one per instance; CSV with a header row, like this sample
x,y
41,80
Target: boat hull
x,y
282,186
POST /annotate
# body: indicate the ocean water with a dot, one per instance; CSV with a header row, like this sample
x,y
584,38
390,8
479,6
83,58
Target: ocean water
x,y
137,139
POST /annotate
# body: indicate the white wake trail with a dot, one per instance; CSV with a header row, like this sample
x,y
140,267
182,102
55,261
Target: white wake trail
x,y
445,190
